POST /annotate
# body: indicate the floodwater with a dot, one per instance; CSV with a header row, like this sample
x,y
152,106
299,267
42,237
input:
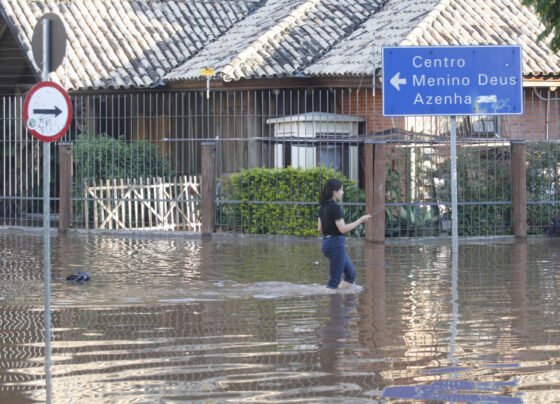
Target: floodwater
x,y
247,319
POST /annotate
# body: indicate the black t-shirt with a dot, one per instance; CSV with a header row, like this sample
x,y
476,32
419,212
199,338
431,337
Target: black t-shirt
x,y
329,213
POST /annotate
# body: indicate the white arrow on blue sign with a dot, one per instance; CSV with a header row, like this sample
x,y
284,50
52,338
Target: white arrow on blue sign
x,y
452,80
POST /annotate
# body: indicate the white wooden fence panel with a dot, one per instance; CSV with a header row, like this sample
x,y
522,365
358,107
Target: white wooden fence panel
x,y
147,204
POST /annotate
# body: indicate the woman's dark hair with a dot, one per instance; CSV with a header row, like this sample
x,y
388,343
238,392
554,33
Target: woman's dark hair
x,y
330,186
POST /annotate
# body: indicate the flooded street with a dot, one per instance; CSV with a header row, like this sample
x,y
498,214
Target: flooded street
x,y
236,319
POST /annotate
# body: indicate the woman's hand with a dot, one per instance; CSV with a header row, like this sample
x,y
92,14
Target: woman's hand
x,y
365,218
345,228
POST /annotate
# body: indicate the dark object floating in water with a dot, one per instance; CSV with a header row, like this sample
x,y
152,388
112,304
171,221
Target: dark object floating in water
x,y
78,277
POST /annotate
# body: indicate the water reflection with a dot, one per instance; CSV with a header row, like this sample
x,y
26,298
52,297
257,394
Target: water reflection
x,y
336,333
373,316
455,391
518,289
249,320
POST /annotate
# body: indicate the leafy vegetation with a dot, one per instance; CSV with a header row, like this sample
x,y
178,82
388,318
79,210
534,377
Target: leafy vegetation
x,y
484,183
543,185
280,201
411,220
285,201
549,13
103,157
483,179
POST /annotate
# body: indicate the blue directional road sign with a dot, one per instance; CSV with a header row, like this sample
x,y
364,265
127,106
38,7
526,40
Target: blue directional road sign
x,y
452,80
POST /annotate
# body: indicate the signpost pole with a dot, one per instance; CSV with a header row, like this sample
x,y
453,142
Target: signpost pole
x,y
47,113
46,222
454,225
454,242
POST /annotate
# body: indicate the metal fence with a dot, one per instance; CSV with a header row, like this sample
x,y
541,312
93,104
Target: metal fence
x,y
139,136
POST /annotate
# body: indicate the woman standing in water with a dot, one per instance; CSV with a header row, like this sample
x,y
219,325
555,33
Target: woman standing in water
x,y
332,226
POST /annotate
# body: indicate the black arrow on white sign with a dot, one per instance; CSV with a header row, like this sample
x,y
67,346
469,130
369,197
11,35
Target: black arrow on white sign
x,y
55,111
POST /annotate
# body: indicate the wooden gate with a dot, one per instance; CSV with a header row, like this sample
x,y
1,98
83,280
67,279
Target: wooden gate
x,y
144,204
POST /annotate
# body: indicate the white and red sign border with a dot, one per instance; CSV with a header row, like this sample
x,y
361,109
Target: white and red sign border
x,y
27,115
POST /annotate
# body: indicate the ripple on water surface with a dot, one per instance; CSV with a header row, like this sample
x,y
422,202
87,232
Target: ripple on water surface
x,y
249,320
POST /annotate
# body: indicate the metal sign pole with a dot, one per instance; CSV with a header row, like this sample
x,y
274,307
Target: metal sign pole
x,y
455,242
47,113
46,223
454,224
455,307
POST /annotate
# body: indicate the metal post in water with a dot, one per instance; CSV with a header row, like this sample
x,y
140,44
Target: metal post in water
x,y
454,224
455,242
454,306
46,223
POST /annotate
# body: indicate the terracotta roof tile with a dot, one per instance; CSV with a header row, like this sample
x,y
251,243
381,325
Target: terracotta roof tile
x,y
125,43
133,43
496,22
293,32
440,22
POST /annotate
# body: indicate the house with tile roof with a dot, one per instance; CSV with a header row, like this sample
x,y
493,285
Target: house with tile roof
x,y
268,58
145,44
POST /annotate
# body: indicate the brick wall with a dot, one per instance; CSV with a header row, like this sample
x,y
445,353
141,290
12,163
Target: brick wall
x,y
363,103
532,125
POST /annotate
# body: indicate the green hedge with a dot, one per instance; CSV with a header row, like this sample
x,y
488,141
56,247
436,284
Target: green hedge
x,y
280,201
103,157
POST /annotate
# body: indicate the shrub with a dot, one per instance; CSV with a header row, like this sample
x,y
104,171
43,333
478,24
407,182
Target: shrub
x,y
280,201
103,157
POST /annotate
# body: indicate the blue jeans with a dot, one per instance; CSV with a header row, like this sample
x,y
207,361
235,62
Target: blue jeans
x,y
334,248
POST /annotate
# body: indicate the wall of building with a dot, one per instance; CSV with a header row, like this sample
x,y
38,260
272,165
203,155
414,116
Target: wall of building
x,y
541,117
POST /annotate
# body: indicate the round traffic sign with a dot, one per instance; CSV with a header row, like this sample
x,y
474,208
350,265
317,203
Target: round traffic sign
x,y
47,111
57,42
